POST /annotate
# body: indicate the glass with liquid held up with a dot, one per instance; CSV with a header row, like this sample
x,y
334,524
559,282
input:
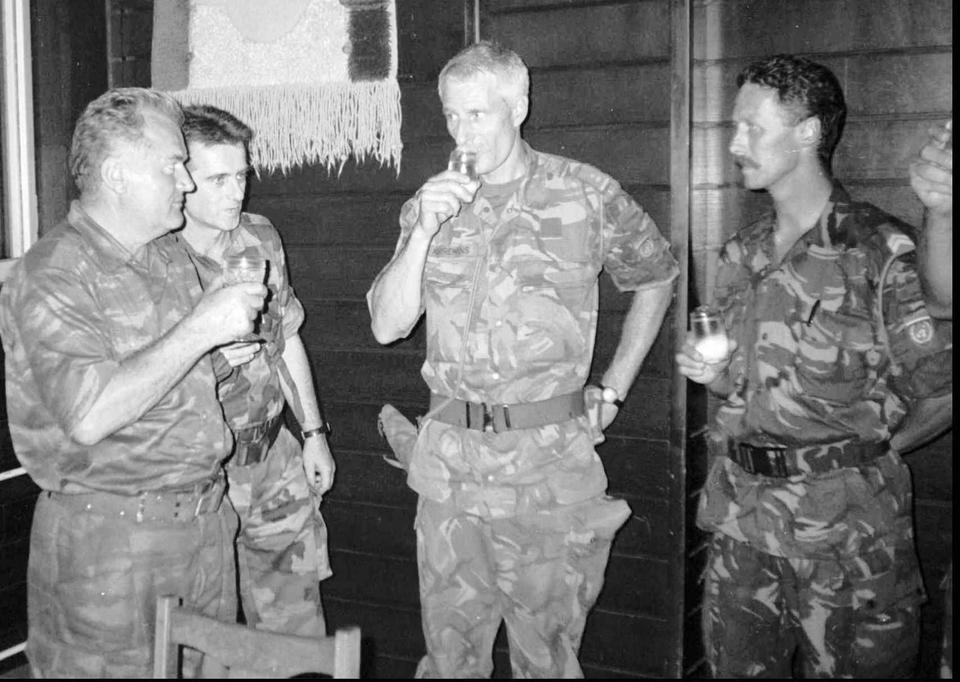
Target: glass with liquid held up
x,y
246,268
709,334
463,161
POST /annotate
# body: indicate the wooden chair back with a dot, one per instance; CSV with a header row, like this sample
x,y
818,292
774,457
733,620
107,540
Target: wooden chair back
x,y
236,651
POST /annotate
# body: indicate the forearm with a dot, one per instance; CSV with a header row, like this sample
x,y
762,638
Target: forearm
x,y
298,387
394,299
140,382
935,256
640,329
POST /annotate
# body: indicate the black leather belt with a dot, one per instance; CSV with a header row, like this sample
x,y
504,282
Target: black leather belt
x,y
499,418
781,462
252,443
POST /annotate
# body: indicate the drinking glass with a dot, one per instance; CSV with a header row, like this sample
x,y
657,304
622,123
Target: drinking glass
x,y
246,268
709,334
464,161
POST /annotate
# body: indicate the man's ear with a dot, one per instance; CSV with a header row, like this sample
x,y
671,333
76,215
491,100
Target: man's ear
x,y
808,132
519,112
113,174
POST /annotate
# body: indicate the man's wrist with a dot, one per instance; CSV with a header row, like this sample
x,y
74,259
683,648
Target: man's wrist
x,y
610,395
323,429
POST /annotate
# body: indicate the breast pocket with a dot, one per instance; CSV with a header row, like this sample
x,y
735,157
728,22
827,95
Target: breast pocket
x,y
551,309
836,354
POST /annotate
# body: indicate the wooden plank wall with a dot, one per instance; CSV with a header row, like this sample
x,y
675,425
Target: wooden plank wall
x,y
894,59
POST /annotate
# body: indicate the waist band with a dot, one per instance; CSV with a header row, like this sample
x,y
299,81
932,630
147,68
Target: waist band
x,y
777,462
252,443
498,418
180,505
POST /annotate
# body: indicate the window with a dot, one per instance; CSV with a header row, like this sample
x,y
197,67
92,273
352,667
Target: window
x,y
18,218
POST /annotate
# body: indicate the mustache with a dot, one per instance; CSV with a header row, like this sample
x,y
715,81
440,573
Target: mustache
x,y
745,162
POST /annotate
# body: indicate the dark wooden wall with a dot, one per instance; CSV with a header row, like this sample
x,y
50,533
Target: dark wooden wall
x,y
894,60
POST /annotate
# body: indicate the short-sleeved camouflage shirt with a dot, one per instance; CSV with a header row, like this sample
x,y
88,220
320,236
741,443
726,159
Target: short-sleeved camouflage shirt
x,y
510,294
252,393
833,342
530,271
76,305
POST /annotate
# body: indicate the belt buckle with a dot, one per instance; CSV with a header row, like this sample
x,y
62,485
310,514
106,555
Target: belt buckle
x,y
490,421
778,462
745,458
206,488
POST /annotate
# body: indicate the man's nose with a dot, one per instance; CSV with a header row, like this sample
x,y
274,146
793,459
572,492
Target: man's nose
x,y
184,180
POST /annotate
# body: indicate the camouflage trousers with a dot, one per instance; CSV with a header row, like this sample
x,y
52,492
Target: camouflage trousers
x,y
282,544
93,581
539,573
838,619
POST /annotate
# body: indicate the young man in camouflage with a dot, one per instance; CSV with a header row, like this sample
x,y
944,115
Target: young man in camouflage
x,y
275,483
931,177
808,500
513,522
112,401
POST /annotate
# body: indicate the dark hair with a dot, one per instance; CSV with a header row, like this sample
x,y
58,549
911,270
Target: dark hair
x,y
117,114
490,58
209,125
810,89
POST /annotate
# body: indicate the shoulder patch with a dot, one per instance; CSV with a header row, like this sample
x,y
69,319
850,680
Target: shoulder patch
x,y
921,331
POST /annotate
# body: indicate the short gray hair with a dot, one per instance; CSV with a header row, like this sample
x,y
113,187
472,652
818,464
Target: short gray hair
x,y
117,114
490,58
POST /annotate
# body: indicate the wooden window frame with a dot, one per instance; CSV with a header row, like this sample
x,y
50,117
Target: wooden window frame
x,y
19,163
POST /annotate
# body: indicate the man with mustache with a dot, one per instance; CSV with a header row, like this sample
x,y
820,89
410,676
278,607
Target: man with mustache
x,y
812,561
275,482
112,401
513,522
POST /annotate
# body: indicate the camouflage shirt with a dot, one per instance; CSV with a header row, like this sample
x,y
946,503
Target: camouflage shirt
x,y
510,294
76,305
833,342
252,393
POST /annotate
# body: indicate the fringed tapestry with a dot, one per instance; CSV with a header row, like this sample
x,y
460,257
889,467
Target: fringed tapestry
x,y
315,79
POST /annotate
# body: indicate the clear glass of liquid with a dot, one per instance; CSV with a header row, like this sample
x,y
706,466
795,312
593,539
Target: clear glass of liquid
x,y
709,334
246,268
463,161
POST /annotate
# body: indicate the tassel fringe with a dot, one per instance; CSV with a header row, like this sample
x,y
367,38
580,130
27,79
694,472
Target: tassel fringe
x,y
298,124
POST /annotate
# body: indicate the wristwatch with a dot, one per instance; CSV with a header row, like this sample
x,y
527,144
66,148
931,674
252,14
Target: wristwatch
x,y
324,428
610,396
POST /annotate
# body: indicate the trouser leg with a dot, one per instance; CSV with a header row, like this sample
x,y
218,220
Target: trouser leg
x,y
93,581
458,601
550,568
746,628
281,547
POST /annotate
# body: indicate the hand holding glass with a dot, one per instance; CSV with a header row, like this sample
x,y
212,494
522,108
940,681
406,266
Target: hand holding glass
x,y
245,268
709,335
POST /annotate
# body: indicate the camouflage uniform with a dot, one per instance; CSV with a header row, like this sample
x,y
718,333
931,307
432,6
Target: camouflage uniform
x,y
822,559
116,524
516,525
282,546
